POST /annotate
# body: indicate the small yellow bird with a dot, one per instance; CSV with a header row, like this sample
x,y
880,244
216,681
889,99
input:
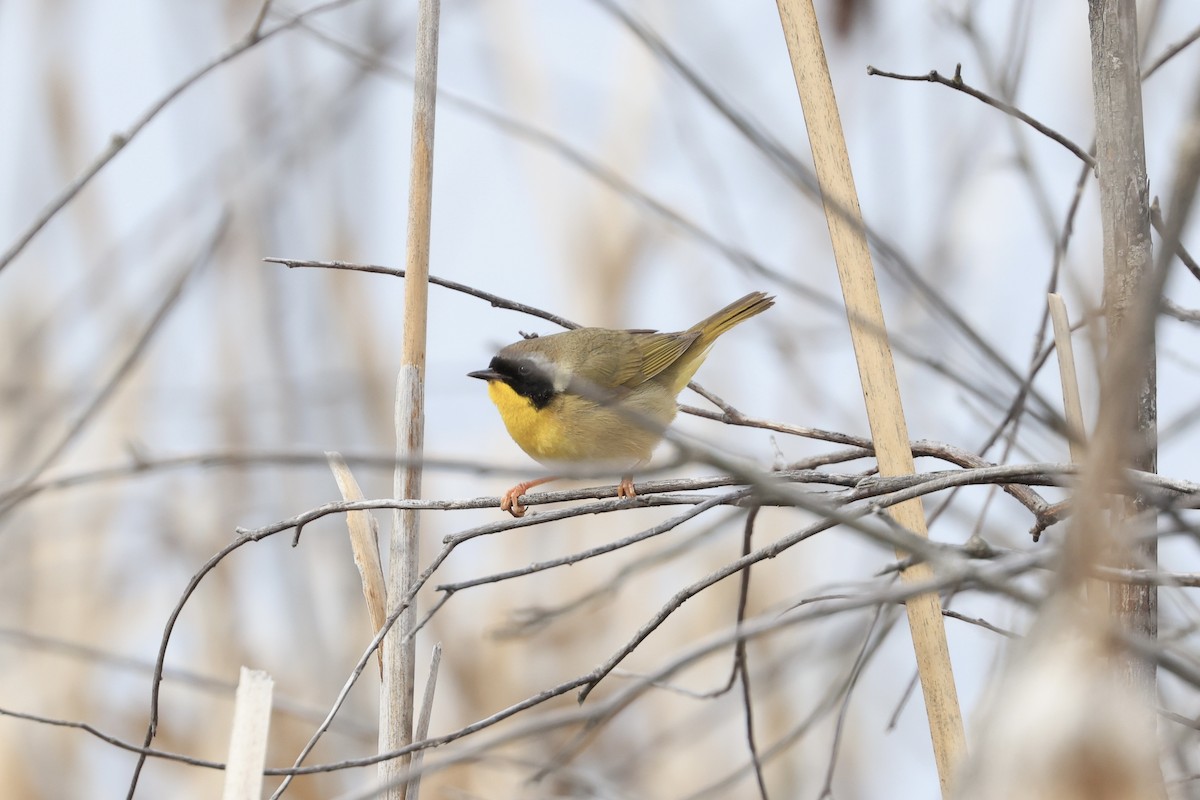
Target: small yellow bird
x,y
600,396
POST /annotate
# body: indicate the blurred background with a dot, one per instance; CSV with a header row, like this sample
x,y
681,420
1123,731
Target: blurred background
x,y
162,385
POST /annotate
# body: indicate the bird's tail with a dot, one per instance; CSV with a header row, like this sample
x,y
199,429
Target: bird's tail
x,y
737,311
709,329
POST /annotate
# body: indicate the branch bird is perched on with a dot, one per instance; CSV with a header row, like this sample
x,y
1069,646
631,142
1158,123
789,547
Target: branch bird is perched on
x,y
600,396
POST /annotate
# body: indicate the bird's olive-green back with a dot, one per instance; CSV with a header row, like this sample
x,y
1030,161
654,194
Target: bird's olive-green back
x,y
605,358
621,359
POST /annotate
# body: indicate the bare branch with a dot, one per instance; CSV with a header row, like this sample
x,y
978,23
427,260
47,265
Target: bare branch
x,y
933,76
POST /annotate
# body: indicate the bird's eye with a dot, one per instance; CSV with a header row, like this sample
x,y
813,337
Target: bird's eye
x,y
524,369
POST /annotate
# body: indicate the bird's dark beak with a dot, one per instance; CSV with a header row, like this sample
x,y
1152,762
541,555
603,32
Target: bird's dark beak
x,y
485,375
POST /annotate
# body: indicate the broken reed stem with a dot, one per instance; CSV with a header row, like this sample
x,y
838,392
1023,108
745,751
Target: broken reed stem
x,y
1068,377
877,370
422,732
399,648
1088,546
364,544
248,738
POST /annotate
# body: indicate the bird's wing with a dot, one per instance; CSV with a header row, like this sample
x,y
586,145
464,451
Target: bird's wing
x,y
657,352
625,359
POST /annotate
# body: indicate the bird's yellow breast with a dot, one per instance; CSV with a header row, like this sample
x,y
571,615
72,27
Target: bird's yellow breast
x,y
573,429
539,432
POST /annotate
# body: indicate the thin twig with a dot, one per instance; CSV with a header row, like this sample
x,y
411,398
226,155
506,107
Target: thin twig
x,y
1160,226
608,547
120,744
495,300
140,464
740,659
720,788
855,671
933,76
1171,52
260,18
1180,313
979,622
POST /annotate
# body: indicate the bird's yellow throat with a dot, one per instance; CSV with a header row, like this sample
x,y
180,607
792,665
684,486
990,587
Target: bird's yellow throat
x,y
537,431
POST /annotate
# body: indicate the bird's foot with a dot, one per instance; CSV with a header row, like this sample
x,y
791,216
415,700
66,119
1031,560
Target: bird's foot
x,y
625,487
510,501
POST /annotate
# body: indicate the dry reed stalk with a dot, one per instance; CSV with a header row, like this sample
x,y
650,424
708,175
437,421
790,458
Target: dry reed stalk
x,y
422,731
877,371
1068,377
364,543
399,648
1097,590
1129,404
248,739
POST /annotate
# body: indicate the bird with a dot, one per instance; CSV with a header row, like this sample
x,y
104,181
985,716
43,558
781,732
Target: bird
x,y
600,396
